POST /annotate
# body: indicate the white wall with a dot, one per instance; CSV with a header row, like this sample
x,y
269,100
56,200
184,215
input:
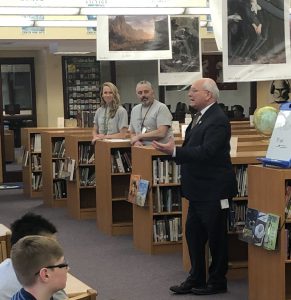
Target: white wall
x,y
128,73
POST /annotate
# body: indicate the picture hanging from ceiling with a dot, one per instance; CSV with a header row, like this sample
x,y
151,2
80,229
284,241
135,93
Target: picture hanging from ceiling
x,y
133,38
185,65
257,39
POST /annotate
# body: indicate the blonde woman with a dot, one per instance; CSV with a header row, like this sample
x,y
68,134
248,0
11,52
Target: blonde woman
x,y
111,119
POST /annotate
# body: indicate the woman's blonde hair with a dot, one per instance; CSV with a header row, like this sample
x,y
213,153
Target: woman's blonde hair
x,y
116,98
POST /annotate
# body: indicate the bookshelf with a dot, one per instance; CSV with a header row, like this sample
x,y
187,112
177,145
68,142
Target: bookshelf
x,y
269,271
145,219
238,250
81,77
53,157
113,212
32,169
82,189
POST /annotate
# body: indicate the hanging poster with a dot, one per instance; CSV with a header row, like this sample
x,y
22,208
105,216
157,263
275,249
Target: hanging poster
x,y
185,65
133,38
256,40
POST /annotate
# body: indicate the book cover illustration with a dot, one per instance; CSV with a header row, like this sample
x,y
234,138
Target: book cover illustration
x,y
271,233
142,190
133,187
260,229
248,231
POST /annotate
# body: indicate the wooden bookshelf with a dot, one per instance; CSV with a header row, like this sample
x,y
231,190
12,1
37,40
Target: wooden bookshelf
x,y
55,189
238,250
113,212
30,172
81,190
144,218
269,271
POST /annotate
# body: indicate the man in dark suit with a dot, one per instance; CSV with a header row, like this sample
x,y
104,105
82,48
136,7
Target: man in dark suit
x,y
208,182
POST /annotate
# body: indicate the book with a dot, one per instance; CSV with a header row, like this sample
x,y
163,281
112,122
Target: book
x,y
142,190
260,229
133,187
288,201
271,232
251,218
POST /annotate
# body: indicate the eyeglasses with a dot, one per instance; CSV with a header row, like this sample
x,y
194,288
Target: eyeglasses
x,y
60,266
195,91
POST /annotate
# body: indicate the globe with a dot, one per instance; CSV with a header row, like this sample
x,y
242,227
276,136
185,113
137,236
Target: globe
x,y
265,119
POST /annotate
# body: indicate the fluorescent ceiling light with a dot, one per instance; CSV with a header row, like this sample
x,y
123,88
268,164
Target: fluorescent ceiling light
x,y
39,11
107,3
70,53
15,22
197,11
97,11
66,23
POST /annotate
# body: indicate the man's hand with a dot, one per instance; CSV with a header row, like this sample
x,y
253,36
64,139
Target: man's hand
x,y
135,139
167,148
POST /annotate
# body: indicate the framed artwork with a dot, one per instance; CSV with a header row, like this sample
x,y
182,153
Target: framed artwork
x,y
133,38
212,68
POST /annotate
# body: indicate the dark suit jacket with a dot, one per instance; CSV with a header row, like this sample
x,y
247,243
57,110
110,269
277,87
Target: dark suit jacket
x,y
206,169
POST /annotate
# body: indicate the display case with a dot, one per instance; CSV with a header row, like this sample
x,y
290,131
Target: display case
x,y
81,84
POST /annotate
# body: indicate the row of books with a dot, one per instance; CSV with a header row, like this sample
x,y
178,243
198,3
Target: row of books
x,y
59,168
85,118
35,142
87,177
59,189
86,153
58,147
288,244
261,229
35,162
167,199
121,162
288,199
36,181
242,180
167,230
166,171
237,216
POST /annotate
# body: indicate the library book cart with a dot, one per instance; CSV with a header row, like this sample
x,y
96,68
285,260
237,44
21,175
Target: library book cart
x,y
81,183
53,160
157,227
113,169
270,271
238,250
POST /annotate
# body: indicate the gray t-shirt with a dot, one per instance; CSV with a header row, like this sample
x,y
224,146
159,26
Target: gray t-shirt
x,y
151,118
107,125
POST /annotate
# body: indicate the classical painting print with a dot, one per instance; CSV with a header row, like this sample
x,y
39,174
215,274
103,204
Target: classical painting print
x,y
138,33
185,66
212,68
133,38
257,38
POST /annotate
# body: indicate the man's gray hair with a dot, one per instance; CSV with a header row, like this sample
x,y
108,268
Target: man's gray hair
x,y
211,86
145,82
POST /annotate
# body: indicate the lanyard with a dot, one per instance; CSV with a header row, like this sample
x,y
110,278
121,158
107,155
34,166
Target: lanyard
x,y
141,126
106,120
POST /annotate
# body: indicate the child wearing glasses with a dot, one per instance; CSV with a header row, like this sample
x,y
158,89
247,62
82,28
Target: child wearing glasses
x,y
40,267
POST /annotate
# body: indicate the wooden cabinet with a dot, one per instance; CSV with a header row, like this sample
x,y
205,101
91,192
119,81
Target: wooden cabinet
x,y
81,77
53,157
158,217
81,190
32,164
114,213
269,271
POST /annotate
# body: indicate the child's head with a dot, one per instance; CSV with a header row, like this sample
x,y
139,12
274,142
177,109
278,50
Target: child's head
x,y
39,259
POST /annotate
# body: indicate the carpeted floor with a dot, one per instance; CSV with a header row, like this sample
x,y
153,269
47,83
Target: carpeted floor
x,y
111,265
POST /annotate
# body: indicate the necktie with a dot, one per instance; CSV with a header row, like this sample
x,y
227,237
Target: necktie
x,y
195,119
